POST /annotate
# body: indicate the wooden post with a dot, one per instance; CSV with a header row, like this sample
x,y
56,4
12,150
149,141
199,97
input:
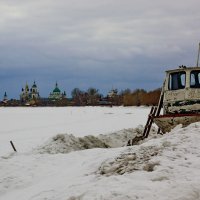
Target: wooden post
x,y
13,146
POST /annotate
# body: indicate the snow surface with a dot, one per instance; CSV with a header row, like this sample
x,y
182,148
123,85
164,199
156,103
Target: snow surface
x,y
28,127
161,167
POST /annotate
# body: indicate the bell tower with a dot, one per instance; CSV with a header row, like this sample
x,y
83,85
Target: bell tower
x,y
5,98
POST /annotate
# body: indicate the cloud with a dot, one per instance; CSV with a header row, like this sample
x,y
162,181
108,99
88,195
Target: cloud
x,y
107,42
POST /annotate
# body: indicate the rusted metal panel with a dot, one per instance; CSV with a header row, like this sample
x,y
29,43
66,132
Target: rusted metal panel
x,y
192,93
172,96
168,122
182,107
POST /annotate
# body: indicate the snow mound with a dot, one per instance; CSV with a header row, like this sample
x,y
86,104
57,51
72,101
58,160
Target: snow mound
x,y
65,143
145,156
120,138
141,159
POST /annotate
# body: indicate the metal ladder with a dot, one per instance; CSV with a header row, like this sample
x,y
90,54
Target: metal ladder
x,y
154,112
149,123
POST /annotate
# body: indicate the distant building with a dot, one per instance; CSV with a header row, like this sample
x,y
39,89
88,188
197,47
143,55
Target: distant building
x,y
112,93
5,98
56,94
29,94
34,94
24,96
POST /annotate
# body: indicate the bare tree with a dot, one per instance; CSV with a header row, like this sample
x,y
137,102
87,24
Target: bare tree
x,y
93,96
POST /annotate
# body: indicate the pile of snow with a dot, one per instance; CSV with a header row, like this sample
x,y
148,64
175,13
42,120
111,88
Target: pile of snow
x,y
127,162
65,143
120,138
148,154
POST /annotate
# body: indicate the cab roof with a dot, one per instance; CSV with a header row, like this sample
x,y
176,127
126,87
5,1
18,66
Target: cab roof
x,y
183,68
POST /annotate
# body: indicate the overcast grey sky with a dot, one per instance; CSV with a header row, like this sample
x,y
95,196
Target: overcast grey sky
x,y
94,43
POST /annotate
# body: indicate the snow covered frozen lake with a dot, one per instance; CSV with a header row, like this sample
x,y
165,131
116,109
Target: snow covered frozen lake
x,y
161,167
27,127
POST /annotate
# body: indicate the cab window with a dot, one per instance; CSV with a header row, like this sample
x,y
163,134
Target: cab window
x,y
177,80
195,79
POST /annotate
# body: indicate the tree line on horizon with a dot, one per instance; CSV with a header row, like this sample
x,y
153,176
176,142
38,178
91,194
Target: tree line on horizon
x,y
126,97
92,97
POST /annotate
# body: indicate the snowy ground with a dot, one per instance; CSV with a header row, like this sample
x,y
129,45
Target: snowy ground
x,y
50,164
28,127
